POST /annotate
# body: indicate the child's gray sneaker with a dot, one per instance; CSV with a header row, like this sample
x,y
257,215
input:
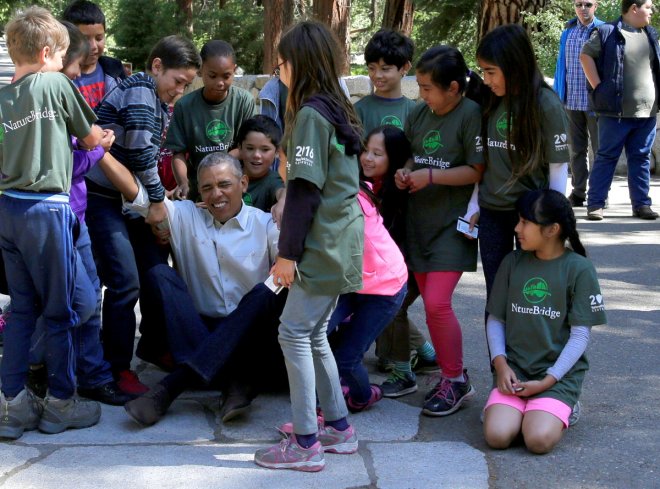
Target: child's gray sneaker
x,y
575,414
20,414
62,414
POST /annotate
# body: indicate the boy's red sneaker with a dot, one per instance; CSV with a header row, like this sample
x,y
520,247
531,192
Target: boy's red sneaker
x,y
128,382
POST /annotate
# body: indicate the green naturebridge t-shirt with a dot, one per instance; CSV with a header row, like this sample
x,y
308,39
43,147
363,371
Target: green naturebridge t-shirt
x,y
38,115
442,142
331,263
199,127
497,191
375,111
539,300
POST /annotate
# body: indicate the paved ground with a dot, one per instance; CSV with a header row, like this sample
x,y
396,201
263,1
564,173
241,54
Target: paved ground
x,y
615,445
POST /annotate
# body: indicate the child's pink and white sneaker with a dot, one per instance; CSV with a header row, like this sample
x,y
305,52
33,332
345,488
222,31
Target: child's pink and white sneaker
x,y
287,454
335,441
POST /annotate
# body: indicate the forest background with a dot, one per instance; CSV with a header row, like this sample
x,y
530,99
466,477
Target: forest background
x,y
254,27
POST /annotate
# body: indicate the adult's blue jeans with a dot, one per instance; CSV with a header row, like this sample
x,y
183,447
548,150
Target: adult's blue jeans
x,y
368,315
242,344
636,136
91,368
36,237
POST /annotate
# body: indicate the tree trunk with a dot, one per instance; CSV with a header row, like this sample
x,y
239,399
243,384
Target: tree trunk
x,y
186,7
336,15
398,15
493,13
274,11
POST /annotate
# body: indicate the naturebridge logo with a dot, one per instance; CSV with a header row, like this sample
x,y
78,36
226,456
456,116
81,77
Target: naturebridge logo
x,y
536,290
502,125
432,142
391,120
217,130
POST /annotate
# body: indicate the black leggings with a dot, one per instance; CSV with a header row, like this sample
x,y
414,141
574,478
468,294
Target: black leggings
x,y
496,240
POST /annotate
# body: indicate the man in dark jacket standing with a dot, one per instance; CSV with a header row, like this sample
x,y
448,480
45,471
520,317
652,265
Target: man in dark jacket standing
x,y
621,61
571,86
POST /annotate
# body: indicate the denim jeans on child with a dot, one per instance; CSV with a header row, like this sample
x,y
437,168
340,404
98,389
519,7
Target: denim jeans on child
x,y
36,238
91,369
369,315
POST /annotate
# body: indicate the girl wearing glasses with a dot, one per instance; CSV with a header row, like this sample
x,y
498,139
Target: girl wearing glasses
x,y
321,242
524,129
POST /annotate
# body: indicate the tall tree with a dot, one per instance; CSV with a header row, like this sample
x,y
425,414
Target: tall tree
x,y
398,15
186,7
336,15
493,13
274,23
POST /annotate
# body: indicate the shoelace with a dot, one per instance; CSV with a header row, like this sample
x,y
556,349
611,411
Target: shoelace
x,y
443,387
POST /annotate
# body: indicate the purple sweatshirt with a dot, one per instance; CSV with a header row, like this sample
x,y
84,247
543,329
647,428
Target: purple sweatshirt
x,y
83,160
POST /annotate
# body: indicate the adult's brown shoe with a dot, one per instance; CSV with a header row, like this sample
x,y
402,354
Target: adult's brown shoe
x,y
150,407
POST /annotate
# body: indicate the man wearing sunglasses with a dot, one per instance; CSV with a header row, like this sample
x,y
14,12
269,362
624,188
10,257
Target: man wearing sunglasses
x,y
571,86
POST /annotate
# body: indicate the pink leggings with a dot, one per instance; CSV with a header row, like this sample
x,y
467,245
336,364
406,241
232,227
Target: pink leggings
x,y
437,289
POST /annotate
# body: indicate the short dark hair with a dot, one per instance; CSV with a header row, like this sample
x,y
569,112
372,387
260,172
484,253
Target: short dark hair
x,y
626,4
217,49
175,52
263,124
83,12
78,45
391,46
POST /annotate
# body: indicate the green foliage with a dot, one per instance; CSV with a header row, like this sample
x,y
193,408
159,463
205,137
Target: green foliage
x,y
240,23
452,22
139,25
546,27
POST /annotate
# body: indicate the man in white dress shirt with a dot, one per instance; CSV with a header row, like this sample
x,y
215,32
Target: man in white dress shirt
x,y
221,320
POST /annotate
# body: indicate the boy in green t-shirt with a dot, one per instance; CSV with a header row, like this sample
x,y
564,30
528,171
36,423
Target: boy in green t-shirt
x,y
258,142
39,113
389,57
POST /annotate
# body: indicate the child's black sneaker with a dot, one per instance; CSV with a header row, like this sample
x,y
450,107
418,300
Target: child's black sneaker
x,y
421,365
448,396
399,384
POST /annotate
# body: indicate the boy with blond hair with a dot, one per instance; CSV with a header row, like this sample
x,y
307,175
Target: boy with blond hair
x,y
39,113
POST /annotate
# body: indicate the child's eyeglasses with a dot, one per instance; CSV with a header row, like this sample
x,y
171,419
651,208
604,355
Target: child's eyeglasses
x,y
584,5
276,69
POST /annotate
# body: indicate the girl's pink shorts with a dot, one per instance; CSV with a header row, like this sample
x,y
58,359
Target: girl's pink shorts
x,y
549,405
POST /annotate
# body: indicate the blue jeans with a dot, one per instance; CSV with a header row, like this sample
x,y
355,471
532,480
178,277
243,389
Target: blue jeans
x,y
636,135
239,344
117,270
369,315
91,369
36,237
124,249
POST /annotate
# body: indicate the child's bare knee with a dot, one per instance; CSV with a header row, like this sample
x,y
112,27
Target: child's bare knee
x,y
539,444
498,438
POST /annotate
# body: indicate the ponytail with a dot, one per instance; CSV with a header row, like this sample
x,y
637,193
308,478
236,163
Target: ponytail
x,y
546,207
